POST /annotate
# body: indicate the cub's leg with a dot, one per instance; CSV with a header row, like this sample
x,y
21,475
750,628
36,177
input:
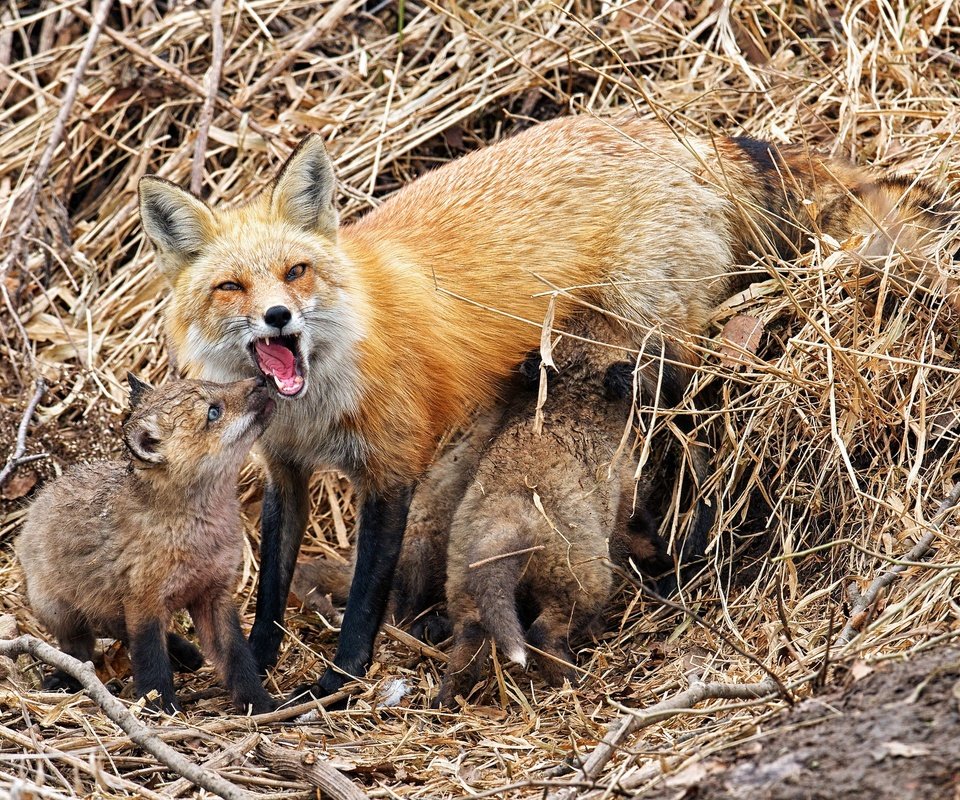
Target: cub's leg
x,y
149,658
75,638
218,627
468,655
185,656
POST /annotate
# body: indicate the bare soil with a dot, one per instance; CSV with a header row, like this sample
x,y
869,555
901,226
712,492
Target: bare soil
x,y
891,735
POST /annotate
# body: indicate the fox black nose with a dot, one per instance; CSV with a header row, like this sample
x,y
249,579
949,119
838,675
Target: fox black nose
x,y
277,316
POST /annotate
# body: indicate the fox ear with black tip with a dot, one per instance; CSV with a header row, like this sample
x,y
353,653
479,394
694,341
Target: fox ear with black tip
x,y
138,390
302,193
178,223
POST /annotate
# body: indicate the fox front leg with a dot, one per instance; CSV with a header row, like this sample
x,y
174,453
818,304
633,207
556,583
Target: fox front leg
x,y
286,506
383,518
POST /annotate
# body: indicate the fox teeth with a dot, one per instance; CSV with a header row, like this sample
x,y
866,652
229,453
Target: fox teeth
x,y
267,340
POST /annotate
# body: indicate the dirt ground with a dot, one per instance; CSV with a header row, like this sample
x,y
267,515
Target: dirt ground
x,y
891,735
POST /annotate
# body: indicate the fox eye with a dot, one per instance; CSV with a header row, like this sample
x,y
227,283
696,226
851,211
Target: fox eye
x,y
295,271
214,413
229,286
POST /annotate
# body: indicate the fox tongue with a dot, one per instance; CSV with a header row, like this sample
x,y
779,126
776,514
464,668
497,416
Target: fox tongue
x,y
281,364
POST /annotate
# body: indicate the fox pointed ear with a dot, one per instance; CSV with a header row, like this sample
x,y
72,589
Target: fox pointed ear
x,y
137,389
177,223
142,438
303,190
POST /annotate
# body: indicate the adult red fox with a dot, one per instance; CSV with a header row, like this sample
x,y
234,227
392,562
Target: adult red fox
x,y
382,334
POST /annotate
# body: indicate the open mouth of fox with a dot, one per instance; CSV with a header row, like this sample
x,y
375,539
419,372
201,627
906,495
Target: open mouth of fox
x,y
279,359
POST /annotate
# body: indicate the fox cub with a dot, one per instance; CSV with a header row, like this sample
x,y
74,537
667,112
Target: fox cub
x,y
530,542
115,548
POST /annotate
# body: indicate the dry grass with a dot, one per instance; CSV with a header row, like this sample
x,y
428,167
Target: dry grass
x,y
834,445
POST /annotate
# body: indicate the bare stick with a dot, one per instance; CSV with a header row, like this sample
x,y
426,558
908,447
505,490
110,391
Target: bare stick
x,y
17,458
28,203
636,720
305,765
116,711
212,83
882,581
320,28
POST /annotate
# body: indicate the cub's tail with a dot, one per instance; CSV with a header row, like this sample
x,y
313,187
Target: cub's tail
x,y
493,585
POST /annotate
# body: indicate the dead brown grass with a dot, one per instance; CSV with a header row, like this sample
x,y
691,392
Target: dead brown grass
x,y
834,445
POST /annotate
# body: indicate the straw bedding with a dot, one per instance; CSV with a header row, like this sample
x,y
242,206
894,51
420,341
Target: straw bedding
x,y
835,434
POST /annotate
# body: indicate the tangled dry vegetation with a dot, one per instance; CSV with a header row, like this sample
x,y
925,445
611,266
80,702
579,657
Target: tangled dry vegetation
x,y
836,437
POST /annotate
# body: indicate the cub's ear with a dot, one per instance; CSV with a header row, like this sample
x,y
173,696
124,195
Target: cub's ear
x,y
303,190
618,381
177,223
137,389
142,437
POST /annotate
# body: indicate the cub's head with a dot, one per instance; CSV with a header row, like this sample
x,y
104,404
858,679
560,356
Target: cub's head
x,y
257,289
195,430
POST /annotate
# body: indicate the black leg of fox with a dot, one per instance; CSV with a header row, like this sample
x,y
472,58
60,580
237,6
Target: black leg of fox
x,y
383,518
286,506
151,664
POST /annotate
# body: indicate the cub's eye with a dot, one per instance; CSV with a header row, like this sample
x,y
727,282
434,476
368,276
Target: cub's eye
x,y
295,272
229,286
214,413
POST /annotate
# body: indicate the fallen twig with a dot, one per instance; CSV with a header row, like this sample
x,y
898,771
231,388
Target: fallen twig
x,y
306,766
18,458
882,581
636,720
211,82
117,711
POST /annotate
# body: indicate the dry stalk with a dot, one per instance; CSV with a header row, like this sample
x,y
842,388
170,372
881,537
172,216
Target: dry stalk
x,y
27,204
629,724
855,623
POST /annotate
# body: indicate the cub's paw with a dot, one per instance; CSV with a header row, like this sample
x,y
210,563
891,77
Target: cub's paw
x,y
59,681
184,655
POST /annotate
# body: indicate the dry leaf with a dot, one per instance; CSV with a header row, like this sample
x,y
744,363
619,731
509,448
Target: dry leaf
x,y
740,334
19,485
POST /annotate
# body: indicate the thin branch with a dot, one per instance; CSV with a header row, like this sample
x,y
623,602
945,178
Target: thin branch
x,y
212,83
636,720
305,765
27,204
117,711
17,458
319,29
882,581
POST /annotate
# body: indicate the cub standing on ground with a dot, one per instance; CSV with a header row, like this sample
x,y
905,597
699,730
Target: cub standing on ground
x,y
115,548
382,335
